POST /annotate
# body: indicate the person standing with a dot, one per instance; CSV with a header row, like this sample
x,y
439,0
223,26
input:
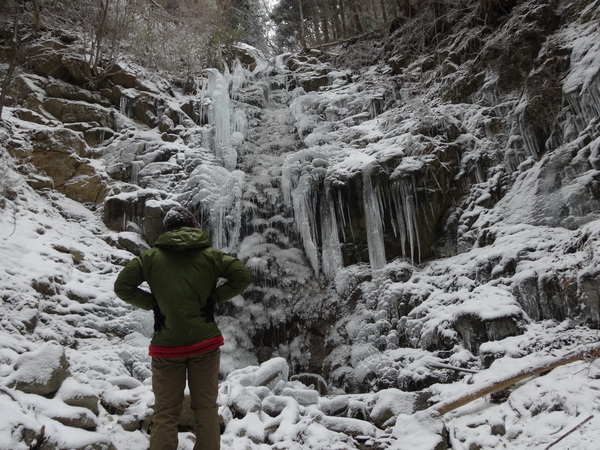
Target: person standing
x,y
182,271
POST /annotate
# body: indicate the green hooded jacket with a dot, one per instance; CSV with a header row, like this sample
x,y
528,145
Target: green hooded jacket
x,y
182,271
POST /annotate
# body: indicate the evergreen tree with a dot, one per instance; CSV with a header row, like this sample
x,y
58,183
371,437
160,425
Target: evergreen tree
x,y
312,23
250,17
287,19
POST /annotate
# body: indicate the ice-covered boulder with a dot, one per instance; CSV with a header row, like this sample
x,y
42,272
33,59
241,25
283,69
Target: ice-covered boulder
x,y
244,401
334,406
271,372
420,431
390,403
312,379
304,397
349,426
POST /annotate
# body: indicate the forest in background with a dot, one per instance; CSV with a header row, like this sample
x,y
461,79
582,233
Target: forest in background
x,y
184,37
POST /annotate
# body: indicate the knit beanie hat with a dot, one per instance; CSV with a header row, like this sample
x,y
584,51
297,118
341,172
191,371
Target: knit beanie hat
x,y
179,217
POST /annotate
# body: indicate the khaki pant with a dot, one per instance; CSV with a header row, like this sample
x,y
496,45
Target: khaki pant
x,y
168,384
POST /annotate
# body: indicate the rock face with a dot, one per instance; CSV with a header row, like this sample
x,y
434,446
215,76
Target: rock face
x,y
61,157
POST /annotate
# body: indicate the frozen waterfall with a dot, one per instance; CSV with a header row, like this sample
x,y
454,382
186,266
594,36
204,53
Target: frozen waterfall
x,y
333,193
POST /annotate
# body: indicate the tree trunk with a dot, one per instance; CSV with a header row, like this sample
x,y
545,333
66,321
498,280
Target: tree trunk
x,y
404,7
37,15
98,41
327,21
383,11
316,23
325,26
487,11
337,31
374,25
355,18
586,352
341,14
14,53
302,27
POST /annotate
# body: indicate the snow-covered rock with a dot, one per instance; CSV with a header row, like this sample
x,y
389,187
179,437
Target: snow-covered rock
x,y
40,371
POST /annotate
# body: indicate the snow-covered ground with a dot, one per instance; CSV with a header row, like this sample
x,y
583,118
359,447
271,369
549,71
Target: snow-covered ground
x,y
59,246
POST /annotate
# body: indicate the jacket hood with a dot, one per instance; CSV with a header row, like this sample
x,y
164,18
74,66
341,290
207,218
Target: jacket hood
x,y
183,239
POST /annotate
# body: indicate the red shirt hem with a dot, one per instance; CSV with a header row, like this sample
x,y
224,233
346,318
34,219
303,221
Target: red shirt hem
x,y
186,350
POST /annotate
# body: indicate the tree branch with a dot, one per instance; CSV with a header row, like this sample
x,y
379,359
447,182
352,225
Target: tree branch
x,y
448,366
569,432
587,352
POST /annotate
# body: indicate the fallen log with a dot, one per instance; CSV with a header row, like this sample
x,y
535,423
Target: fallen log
x,y
587,352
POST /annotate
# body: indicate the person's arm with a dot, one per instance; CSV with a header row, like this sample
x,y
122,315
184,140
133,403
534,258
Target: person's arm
x,y
238,278
127,286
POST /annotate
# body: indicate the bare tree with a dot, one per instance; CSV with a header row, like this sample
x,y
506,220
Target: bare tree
x,y
13,58
383,11
102,24
341,15
107,28
36,16
357,27
316,14
405,7
302,25
374,12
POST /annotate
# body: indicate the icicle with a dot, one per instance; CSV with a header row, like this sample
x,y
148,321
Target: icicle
x,y
529,142
218,90
226,212
300,192
406,215
136,166
331,253
585,104
305,215
374,222
339,206
239,76
125,105
573,101
201,112
240,122
594,105
372,109
300,109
